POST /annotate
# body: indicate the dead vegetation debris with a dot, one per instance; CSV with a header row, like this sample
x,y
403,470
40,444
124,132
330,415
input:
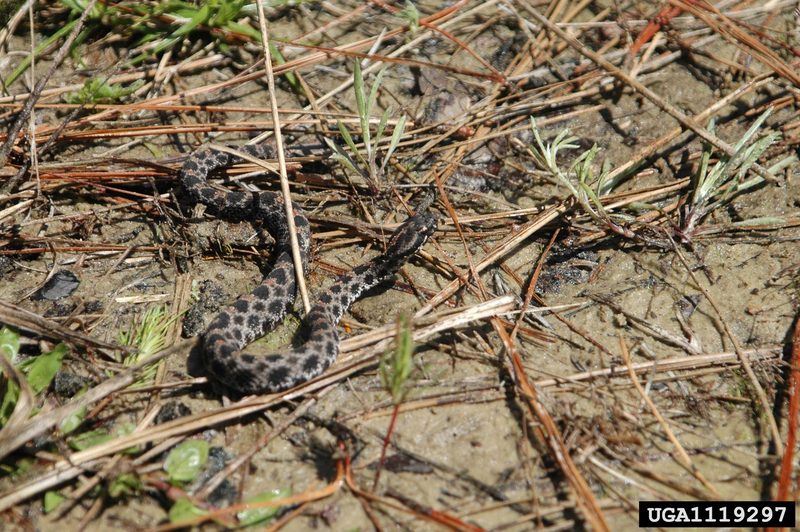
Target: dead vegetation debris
x,y
605,314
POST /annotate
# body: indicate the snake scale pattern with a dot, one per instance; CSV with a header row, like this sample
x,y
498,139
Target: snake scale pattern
x,y
254,314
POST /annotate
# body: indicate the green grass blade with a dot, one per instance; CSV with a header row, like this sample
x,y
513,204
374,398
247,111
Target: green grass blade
x,y
343,157
277,56
396,135
26,62
350,143
373,93
361,105
381,126
753,130
200,17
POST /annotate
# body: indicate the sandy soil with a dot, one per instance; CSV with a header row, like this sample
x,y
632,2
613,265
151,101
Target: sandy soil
x,y
465,443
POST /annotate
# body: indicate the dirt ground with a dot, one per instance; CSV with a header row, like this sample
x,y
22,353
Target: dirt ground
x,y
99,230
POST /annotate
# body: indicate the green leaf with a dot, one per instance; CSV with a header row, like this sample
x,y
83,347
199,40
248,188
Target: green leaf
x,y
277,56
89,439
96,437
19,468
361,104
582,166
396,134
9,343
244,29
9,348
184,510
9,402
710,182
73,420
349,140
381,126
257,515
200,16
52,500
341,156
224,12
125,484
26,61
185,461
44,368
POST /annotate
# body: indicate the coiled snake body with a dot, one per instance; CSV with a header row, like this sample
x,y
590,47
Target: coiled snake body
x,y
254,314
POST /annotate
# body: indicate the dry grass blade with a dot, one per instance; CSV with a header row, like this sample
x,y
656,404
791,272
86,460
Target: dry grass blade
x,y
496,254
669,364
683,456
785,492
287,198
22,118
24,319
550,436
731,31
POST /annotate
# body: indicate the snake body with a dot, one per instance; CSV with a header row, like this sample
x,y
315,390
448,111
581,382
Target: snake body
x,y
253,315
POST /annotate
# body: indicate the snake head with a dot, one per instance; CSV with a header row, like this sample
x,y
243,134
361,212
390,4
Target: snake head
x,y
412,235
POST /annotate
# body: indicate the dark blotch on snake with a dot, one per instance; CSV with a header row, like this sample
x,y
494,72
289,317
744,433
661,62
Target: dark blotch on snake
x,y
277,376
311,363
276,307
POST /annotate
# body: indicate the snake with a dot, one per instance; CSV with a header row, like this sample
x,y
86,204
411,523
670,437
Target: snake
x,y
254,314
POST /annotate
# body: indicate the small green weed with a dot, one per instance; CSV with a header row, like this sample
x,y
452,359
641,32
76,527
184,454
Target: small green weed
x,y
156,26
411,15
365,162
718,185
397,365
148,336
99,91
584,187
39,371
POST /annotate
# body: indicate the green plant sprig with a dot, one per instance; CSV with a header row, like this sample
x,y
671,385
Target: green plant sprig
x,y
397,365
584,187
364,162
154,27
149,336
716,186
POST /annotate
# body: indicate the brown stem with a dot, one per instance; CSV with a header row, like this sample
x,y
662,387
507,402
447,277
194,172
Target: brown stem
x,y
386,440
